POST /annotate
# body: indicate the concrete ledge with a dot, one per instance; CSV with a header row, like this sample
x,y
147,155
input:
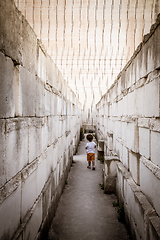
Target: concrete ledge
x,y
154,228
140,215
100,149
110,173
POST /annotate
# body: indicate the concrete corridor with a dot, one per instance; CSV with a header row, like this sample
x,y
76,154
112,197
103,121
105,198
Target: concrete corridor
x,y
84,211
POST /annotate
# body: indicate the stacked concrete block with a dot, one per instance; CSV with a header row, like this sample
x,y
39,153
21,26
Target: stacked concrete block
x,y
2,153
49,161
44,133
154,231
11,37
16,144
144,142
109,142
28,189
47,102
135,204
125,158
29,48
35,158
29,231
40,98
51,126
136,135
17,91
28,92
155,146
50,70
41,173
151,94
11,215
7,107
150,182
41,67
134,166
118,147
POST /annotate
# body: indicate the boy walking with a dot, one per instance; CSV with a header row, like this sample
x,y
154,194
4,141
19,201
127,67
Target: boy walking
x,y
90,149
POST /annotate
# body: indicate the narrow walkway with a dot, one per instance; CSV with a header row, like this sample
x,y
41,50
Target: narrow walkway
x,y
84,211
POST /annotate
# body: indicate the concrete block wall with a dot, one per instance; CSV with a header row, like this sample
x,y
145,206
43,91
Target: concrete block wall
x,y
40,120
128,120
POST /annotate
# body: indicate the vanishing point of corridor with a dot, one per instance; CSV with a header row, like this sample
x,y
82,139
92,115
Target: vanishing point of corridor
x,y
84,211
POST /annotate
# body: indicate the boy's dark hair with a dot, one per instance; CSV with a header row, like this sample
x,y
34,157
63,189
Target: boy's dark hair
x,y
89,137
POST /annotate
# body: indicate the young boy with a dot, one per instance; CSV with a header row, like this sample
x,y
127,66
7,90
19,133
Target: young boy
x,y
90,149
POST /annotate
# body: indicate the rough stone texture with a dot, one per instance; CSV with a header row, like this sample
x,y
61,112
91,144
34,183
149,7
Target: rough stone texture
x,y
134,165
6,85
44,133
151,99
35,132
29,47
30,232
136,94
42,60
135,204
40,98
41,177
16,146
10,31
144,142
130,135
33,149
11,215
155,148
150,183
125,158
29,193
110,174
17,91
28,88
154,227
2,152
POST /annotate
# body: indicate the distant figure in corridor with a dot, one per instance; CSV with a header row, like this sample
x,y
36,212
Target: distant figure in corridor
x,y
90,149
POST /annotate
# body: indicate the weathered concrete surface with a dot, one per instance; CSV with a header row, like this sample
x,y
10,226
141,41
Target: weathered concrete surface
x,y
84,211
6,86
110,173
128,119
34,156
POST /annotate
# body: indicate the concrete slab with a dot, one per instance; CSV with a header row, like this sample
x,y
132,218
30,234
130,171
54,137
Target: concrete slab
x,y
84,211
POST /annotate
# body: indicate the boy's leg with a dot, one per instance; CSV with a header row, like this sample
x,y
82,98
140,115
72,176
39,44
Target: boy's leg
x,y
89,164
93,165
89,161
93,162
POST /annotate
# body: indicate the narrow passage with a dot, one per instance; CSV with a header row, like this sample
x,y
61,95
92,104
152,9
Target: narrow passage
x,y
84,211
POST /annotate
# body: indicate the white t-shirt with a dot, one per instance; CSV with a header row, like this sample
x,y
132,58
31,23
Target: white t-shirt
x,y
90,147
